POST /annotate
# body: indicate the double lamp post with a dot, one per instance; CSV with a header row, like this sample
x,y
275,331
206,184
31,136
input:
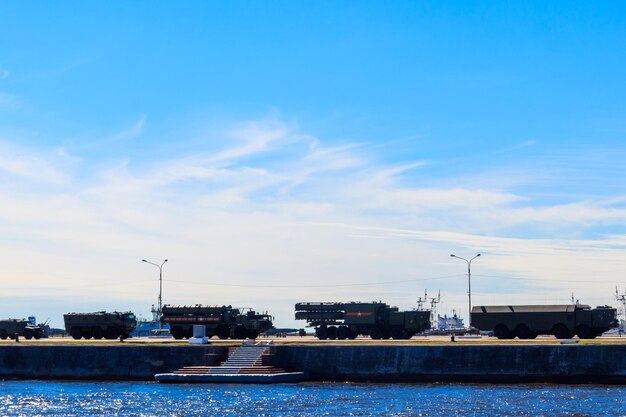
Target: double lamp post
x,y
160,286
469,284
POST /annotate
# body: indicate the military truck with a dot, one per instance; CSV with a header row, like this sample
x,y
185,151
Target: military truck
x,y
221,321
336,320
528,321
10,327
99,324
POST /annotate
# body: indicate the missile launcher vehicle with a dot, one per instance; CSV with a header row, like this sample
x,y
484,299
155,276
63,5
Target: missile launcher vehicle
x,y
528,321
100,324
348,320
221,321
10,327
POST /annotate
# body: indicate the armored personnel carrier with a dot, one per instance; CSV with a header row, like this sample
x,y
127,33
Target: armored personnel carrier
x,y
10,327
100,324
528,321
348,320
221,321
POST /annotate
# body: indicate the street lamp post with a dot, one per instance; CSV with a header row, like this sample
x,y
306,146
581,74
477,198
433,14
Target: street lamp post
x,y
469,284
160,285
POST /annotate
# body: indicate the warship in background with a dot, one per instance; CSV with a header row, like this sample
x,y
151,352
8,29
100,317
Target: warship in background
x,y
151,328
621,313
454,323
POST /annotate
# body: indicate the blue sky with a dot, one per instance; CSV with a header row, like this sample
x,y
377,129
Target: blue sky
x,y
272,149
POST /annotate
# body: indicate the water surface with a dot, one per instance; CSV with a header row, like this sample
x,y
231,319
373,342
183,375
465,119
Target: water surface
x,y
40,398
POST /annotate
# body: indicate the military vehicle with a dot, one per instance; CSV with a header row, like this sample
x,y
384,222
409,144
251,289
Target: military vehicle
x,y
10,327
528,321
100,324
348,320
221,321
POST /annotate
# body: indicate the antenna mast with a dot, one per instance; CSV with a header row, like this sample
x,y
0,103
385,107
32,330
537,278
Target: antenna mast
x,y
421,301
621,298
433,309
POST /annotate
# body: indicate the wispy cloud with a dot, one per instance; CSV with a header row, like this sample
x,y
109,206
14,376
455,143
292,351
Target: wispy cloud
x,y
276,205
10,102
52,166
521,145
4,73
130,132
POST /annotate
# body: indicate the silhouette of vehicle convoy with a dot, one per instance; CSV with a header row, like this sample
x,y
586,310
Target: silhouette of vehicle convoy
x,y
528,321
348,320
11,327
100,324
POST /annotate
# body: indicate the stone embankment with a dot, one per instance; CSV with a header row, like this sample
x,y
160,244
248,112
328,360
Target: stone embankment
x,y
603,363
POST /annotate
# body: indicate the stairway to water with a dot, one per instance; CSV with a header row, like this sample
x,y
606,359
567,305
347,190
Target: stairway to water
x,y
245,359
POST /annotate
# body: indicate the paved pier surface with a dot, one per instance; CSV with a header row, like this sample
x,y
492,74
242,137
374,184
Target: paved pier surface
x,y
601,361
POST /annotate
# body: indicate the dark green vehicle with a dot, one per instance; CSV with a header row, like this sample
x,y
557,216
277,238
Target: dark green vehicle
x,y
348,320
528,321
10,327
100,324
221,321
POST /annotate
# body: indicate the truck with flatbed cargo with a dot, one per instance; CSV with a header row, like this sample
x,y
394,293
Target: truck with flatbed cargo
x,y
528,321
221,321
378,320
100,324
9,328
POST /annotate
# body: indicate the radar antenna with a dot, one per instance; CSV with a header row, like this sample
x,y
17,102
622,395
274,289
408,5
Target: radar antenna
x,y
621,298
421,301
433,309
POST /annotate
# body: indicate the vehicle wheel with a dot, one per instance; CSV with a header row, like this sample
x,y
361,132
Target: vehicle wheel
x,y
406,334
86,333
28,334
76,333
533,335
396,333
240,332
342,333
376,333
3,334
584,332
176,332
253,334
222,331
321,333
561,332
189,332
112,333
37,335
522,332
97,333
502,332
352,334
386,334
332,332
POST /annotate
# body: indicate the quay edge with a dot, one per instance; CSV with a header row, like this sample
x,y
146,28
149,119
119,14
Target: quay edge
x,y
604,363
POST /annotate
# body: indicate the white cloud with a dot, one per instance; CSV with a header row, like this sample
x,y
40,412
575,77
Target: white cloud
x,y
305,214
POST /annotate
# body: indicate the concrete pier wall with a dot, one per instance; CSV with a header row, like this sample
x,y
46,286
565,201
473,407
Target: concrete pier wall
x,y
118,362
463,363
480,363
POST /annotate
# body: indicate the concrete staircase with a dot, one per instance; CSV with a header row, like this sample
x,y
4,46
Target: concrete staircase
x,y
242,360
